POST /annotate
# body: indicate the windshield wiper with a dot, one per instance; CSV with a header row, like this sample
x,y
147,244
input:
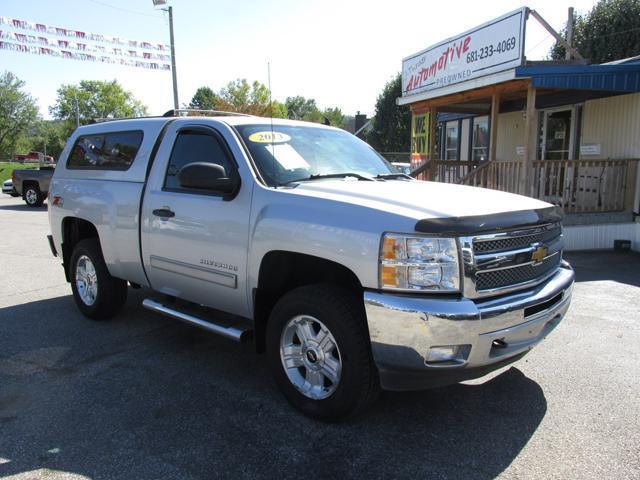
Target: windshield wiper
x,y
320,176
393,176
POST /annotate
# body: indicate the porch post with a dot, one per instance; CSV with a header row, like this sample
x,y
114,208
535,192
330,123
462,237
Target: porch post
x,y
530,127
493,129
431,155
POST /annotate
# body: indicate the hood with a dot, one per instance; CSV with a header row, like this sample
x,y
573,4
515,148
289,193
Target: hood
x,y
431,201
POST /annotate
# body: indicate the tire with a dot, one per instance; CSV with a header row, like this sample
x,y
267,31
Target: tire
x,y
323,307
33,197
97,294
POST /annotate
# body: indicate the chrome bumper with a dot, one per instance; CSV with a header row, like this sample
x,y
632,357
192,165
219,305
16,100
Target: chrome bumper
x,y
493,332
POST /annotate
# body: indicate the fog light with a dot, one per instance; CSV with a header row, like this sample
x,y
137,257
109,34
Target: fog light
x,y
448,353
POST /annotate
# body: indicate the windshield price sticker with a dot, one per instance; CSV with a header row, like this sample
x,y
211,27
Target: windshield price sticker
x,y
269,137
287,156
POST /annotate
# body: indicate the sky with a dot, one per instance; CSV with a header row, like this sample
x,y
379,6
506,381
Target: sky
x,y
340,52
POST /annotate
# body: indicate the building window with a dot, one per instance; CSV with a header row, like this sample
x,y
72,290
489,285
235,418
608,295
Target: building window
x,y
480,141
452,140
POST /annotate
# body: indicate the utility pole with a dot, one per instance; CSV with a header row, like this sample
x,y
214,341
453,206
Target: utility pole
x,y
567,54
572,51
173,60
75,96
174,74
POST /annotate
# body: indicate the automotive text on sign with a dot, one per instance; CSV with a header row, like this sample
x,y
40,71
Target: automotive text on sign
x,y
489,48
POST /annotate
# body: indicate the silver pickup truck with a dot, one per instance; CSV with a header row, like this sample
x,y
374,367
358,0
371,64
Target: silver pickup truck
x,y
349,275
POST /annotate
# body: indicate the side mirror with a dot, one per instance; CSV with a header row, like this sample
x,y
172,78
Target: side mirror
x,y
210,177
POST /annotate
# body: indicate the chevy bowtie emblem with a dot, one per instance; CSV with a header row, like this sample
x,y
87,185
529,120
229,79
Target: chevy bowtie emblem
x,y
539,254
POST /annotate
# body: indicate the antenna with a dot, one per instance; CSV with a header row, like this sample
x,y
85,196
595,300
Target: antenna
x,y
273,148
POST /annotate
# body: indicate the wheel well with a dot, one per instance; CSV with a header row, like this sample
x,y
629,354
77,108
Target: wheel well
x,y
29,183
282,271
74,230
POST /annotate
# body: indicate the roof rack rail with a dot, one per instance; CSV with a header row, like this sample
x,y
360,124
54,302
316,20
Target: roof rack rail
x,y
93,121
181,112
184,112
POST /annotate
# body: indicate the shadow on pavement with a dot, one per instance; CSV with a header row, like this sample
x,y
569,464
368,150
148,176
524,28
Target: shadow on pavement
x,y
144,397
605,265
23,207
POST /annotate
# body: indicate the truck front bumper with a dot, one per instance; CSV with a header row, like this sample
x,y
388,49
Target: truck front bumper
x,y
471,338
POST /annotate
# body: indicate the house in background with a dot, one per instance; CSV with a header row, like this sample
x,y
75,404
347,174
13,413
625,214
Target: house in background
x,y
563,132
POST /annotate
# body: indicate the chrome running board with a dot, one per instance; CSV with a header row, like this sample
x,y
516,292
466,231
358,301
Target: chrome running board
x,y
239,334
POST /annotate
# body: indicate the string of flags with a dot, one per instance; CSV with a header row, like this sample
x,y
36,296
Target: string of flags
x,y
18,47
83,46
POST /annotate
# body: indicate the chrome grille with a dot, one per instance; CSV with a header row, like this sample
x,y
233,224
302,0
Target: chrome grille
x,y
501,262
513,243
516,275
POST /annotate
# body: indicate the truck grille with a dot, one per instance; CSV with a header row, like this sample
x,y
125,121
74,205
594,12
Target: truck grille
x,y
505,261
513,243
516,275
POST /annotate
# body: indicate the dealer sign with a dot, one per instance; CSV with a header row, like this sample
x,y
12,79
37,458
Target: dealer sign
x,y
493,47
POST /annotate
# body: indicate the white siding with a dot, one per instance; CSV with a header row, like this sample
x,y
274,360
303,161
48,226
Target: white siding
x,y
614,123
593,237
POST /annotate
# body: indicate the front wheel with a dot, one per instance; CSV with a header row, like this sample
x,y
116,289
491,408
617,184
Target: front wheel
x,y
98,295
319,353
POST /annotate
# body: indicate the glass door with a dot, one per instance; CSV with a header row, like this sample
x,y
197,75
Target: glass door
x,y
557,127
452,144
480,140
557,134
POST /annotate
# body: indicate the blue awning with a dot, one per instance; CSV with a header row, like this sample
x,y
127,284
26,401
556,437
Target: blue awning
x,y
613,78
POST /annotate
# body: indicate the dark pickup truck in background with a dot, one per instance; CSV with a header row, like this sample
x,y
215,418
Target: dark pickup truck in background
x,y
33,185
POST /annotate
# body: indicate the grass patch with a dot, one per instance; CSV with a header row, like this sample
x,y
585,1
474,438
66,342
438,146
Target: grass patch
x,y
7,168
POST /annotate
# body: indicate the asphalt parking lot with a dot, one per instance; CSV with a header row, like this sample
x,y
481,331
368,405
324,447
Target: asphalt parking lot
x,y
145,397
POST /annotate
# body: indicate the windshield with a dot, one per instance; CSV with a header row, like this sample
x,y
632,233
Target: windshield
x,y
297,152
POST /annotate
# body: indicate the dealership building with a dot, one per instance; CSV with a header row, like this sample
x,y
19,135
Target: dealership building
x,y
564,132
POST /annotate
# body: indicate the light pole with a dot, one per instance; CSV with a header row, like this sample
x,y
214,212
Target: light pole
x,y
169,9
75,96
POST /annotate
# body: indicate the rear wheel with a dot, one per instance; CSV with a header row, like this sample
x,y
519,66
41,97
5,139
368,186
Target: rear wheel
x,y
33,196
319,353
98,295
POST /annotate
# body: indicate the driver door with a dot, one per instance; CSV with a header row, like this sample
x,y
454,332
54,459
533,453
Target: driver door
x,y
194,242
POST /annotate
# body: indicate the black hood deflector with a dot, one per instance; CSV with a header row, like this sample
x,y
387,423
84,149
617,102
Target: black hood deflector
x,y
473,225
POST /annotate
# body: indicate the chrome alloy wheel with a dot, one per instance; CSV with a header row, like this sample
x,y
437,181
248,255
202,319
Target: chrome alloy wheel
x,y
31,196
86,280
310,357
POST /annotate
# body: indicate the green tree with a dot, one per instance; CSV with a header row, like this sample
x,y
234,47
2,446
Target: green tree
x,y
391,130
253,99
610,31
334,116
18,112
204,99
49,137
95,100
299,107
278,110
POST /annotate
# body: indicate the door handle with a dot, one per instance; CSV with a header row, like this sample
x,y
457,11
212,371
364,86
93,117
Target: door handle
x,y
164,213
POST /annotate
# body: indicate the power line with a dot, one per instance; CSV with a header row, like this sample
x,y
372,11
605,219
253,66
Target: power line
x,y
615,33
126,9
538,44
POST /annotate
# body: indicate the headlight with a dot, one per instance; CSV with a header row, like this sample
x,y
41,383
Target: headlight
x,y
419,263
